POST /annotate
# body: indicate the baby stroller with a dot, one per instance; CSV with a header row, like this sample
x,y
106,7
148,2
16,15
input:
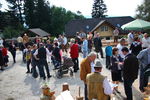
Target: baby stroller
x,y
66,67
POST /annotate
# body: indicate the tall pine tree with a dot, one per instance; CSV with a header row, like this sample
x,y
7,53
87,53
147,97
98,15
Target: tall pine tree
x,y
99,9
43,14
30,13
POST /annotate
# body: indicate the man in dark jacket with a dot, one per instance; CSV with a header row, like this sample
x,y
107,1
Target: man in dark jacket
x,y
130,64
57,56
98,45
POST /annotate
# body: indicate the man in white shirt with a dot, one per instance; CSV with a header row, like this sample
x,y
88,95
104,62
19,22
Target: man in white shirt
x,y
130,38
145,41
98,86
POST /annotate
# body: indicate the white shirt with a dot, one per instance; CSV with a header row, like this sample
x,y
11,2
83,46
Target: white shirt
x,y
47,52
119,46
145,42
107,87
130,38
116,32
64,40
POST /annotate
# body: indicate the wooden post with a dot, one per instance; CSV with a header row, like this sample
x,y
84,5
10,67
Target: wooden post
x,y
79,98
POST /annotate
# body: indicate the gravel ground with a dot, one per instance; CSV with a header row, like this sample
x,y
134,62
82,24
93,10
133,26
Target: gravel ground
x,y
15,84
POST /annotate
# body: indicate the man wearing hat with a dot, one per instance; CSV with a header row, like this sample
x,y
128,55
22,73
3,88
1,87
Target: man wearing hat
x,y
97,85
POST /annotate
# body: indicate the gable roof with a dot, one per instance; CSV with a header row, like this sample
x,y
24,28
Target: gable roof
x,y
39,32
87,25
100,23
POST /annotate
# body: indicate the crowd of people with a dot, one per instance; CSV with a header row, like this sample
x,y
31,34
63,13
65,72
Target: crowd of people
x,y
121,60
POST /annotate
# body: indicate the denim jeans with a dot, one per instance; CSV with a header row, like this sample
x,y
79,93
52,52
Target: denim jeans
x,y
85,53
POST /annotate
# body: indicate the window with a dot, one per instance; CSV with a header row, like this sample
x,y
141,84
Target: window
x,y
104,28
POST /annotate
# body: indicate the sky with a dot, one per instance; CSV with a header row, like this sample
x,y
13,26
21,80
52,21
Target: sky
x,y
114,7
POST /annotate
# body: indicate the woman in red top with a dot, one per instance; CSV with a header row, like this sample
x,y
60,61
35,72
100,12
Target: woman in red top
x,y
4,53
74,53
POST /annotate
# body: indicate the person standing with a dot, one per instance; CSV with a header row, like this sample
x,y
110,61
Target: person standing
x,y
98,45
12,49
116,33
98,86
1,58
144,59
108,51
64,45
5,56
116,67
56,56
90,43
136,46
34,62
25,39
120,46
130,64
40,55
74,53
85,68
85,47
28,58
20,42
130,38
145,41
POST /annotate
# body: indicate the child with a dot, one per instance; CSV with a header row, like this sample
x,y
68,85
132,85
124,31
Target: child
x,y
108,51
28,58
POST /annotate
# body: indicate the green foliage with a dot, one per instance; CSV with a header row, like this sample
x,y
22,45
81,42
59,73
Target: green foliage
x,y
38,14
10,32
29,11
8,18
60,17
143,11
16,6
99,9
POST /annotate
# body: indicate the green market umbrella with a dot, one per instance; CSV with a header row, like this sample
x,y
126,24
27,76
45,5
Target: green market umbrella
x,y
137,25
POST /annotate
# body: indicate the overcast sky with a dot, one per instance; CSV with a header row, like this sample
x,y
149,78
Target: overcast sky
x,y
114,7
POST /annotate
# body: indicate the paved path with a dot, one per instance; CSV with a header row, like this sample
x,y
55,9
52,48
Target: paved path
x,y
16,84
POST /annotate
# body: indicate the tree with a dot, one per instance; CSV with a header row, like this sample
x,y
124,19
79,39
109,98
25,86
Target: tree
x,y
16,6
30,13
60,17
99,9
143,11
